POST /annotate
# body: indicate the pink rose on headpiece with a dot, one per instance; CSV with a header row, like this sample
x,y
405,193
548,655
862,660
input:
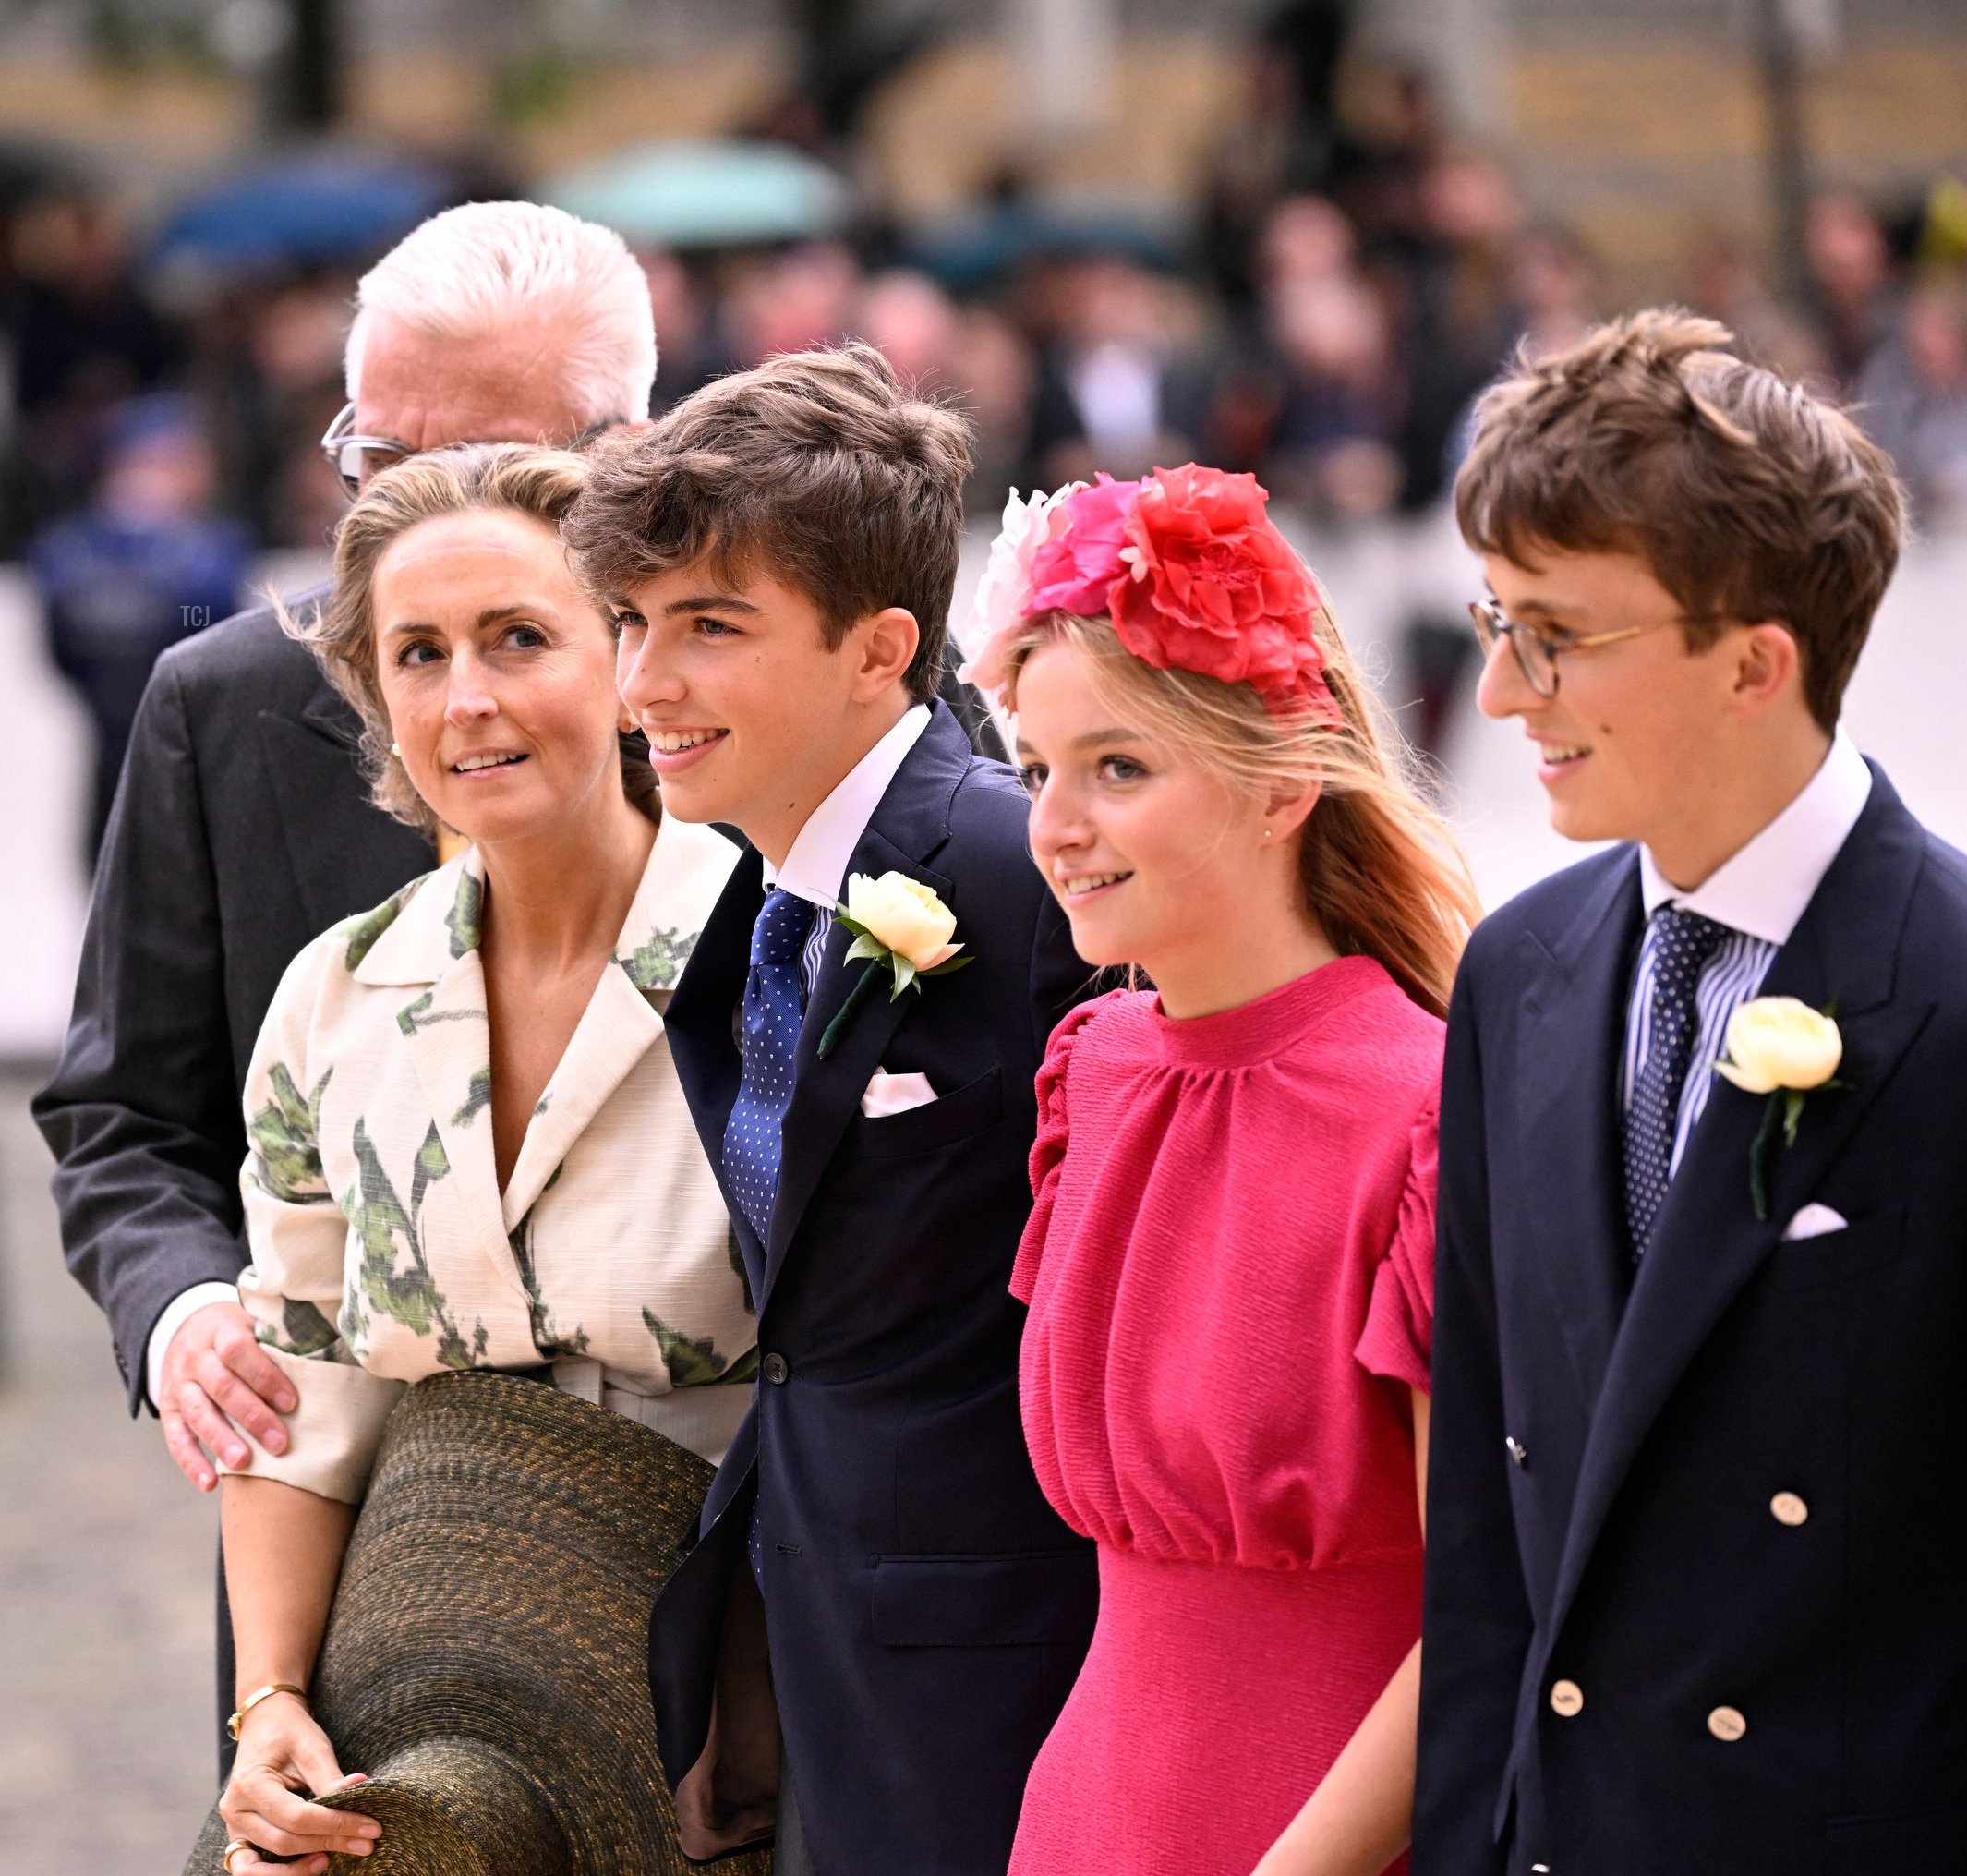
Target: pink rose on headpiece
x,y
1211,587
1075,571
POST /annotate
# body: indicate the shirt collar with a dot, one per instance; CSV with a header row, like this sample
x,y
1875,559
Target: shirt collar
x,y
1763,889
815,865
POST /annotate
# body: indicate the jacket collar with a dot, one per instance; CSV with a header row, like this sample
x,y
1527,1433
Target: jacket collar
x,y
1764,888
907,829
1575,986
429,948
1706,1242
820,858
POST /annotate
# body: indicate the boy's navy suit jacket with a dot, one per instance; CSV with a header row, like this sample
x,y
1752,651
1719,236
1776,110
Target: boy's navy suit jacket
x,y
927,1610
1749,1690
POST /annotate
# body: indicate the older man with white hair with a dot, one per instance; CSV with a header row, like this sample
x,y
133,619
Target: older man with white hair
x,y
243,825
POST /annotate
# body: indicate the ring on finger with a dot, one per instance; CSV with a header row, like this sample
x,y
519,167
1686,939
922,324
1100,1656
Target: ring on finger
x,y
231,1851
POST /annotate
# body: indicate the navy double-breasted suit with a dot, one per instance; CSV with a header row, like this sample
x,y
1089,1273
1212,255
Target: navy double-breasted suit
x,y
925,1611
1696,1536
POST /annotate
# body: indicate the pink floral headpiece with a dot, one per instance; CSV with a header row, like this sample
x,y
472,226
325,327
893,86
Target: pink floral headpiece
x,y
1187,565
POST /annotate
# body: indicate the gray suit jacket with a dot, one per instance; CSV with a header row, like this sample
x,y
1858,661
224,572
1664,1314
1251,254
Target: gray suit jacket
x,y
242,827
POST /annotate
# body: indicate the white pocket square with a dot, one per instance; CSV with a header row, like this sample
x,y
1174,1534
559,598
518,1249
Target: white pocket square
x,y
1815,1221
889,1094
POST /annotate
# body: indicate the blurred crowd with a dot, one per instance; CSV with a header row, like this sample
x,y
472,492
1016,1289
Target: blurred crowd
x,y
1346,285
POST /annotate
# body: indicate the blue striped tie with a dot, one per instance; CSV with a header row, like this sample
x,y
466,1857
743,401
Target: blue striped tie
x,y
1684,942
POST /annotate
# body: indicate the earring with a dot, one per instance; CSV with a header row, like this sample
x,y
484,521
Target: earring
x,y
396,750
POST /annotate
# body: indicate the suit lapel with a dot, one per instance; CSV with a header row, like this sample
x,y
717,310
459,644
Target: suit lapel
x,y
448,1034
1707,1242
681,889
911,824
616,1030
343,858
826,1094
1574,1020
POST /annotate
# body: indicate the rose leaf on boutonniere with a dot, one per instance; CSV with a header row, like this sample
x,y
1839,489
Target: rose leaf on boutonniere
x,y
900,928
1781,1047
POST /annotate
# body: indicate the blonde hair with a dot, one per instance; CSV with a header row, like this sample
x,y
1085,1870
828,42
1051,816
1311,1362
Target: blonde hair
x,y
477,268
1381,873
520,478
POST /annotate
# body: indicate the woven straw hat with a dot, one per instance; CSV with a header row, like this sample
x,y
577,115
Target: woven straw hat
x,y
486,1660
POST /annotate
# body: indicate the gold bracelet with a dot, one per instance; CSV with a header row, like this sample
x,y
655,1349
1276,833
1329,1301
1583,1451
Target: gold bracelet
x,y
253,1700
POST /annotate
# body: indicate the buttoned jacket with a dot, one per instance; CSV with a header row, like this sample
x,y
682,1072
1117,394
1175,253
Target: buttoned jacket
x,y
383,1246
927,1609
1693,1544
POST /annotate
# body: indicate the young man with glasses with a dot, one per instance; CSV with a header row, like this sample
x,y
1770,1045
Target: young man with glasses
x,y
243,826
1701,1358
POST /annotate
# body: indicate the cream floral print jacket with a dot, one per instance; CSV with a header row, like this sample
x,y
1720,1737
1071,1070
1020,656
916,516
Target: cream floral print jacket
x,y
382,1248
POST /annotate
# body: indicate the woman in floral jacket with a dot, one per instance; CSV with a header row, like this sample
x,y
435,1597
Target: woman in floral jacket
x,y
469,1148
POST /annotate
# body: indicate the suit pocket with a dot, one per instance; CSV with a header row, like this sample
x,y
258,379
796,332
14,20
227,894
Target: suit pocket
x,y
1897,1842
957,1116
1859,1249
986,1601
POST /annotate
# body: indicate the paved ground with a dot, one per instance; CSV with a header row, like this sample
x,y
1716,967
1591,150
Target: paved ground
x,y
105,1576
105,1555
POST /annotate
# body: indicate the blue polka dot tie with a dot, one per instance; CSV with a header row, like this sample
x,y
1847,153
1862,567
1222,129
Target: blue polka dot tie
x,y
753,1136
772,1014
1683,943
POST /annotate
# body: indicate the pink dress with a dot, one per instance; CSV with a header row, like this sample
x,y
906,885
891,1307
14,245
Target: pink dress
x,y
1230,1275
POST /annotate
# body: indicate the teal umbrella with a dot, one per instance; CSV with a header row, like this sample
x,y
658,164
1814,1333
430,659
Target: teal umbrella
x,y
712,193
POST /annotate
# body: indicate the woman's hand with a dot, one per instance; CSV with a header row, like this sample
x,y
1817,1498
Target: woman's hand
x,y
282,1753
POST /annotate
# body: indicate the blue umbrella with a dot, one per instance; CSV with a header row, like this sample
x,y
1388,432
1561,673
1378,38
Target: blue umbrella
x,y
975,248
299,209
725,192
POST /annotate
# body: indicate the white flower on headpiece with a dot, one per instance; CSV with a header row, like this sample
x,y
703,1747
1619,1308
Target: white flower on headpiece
x,y
1029,521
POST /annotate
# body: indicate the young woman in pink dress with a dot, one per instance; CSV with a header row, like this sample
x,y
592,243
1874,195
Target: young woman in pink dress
x,y
1229,1267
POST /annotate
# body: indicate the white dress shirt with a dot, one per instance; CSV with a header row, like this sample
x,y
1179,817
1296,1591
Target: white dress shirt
x,y
816,865
1758,894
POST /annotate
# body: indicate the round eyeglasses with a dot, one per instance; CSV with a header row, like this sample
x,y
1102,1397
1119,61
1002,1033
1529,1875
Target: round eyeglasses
x,y
1538,651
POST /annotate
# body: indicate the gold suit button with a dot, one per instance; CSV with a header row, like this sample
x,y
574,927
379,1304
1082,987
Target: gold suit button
x,y
1567,1697
1726,1723
1786,1507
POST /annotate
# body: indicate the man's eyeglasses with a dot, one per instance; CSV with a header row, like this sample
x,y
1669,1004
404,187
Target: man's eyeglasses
x,y
345,450
1538,651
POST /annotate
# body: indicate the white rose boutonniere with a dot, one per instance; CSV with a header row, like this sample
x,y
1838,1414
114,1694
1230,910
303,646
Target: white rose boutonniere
x,y
901,928
1781,1047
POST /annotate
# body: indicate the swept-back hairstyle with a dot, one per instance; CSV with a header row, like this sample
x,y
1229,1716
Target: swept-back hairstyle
x,y
1381,871
540,483
821,469
484,266
1749,499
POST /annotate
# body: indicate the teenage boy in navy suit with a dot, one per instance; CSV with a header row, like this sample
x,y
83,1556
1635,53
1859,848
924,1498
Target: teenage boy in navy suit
x,y
878,1583
1700,1374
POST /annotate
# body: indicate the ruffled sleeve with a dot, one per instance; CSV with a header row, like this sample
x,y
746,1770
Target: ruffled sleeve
x,y
1398,1341
1048,1149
